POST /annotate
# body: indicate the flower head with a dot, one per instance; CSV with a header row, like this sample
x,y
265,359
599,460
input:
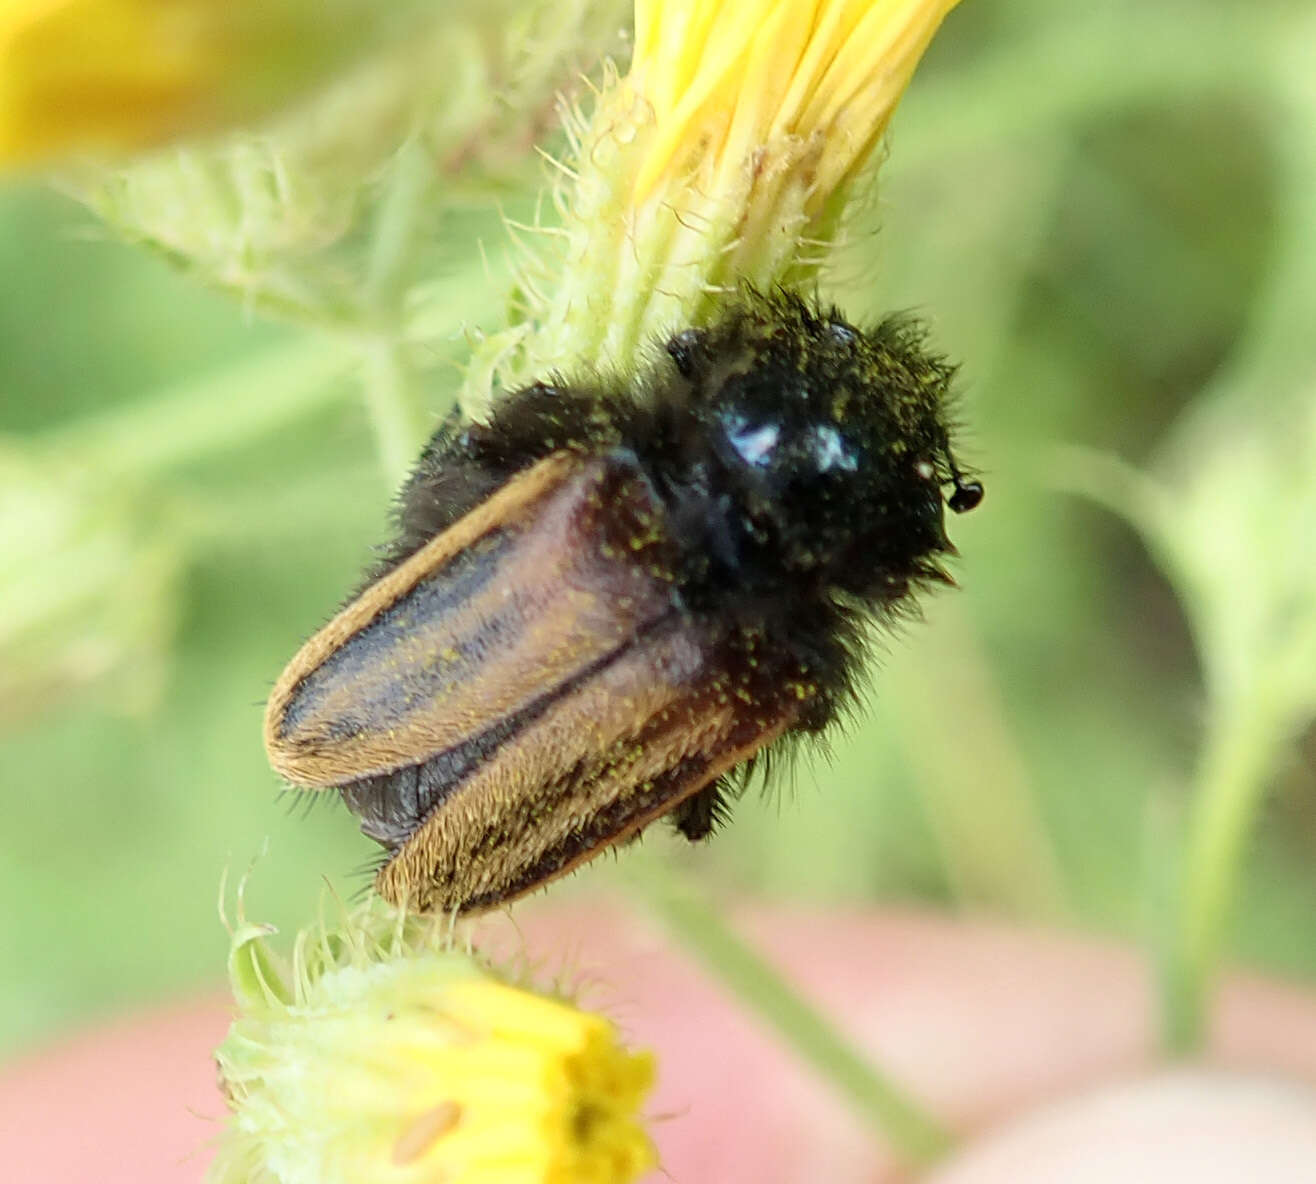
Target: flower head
x,y
381,1055
724,156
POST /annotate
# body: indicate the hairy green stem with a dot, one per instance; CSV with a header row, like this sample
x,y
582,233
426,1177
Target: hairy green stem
x,y
881,1103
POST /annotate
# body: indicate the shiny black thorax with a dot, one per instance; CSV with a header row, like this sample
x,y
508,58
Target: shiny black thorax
x,y
800,462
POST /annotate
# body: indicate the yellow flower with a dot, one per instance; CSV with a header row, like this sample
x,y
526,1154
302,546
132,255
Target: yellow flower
x,y
392,1058
76,74
114,75
724,156
730,83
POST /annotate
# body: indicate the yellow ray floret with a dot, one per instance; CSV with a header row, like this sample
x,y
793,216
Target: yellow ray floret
x,y
722,79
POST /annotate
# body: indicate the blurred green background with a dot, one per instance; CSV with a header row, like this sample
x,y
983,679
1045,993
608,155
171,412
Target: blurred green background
x,y
1094,211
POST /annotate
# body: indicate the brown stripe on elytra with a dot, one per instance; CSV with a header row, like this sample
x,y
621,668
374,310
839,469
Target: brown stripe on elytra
x,y
365,698
650,729
629,814
347,691
393,805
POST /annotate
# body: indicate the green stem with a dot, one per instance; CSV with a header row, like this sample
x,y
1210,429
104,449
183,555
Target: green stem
x,y
391,399
1234,769
200,419
401,219
911,1130
995,847
394,411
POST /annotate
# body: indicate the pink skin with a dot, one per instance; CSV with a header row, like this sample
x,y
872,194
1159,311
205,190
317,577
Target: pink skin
x,y
1037,1046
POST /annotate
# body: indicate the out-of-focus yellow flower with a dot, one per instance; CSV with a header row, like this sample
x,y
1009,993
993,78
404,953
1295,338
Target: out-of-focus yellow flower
x,y
724,156
115,75
380,1055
